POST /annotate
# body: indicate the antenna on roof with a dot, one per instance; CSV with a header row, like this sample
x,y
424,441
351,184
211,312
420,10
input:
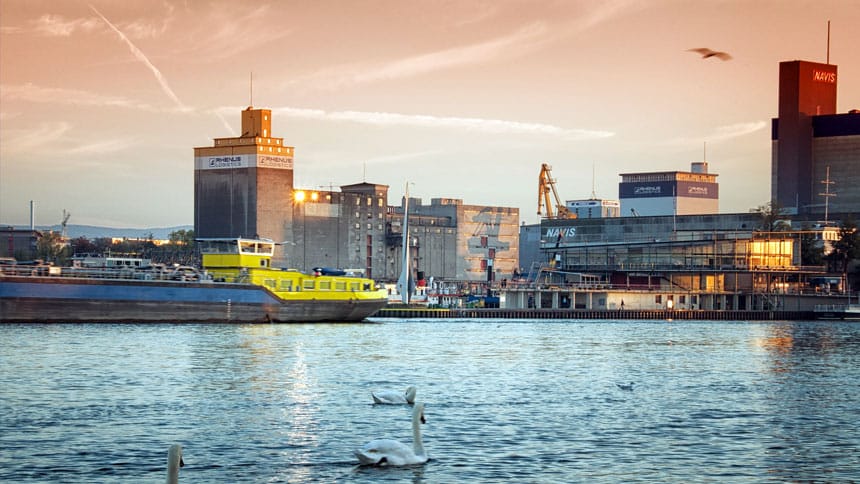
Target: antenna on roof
x,y
704,151
828,42
593,193
251,100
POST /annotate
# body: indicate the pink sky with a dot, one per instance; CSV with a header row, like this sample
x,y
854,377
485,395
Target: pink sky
x,y
101,103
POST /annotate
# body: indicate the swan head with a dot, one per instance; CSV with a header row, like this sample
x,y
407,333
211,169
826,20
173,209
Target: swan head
x,y
174,462
410,394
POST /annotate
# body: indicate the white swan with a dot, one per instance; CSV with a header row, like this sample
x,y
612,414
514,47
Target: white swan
x,y
174,462
394,453
395,398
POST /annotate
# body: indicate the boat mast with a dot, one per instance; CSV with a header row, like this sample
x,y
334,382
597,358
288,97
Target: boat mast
x,y
403,282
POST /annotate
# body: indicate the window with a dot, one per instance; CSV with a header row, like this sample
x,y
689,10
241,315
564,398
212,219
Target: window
x,y
658,299
308,284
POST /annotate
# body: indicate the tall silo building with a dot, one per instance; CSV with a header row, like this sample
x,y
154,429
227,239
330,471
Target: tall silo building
x,y
243,185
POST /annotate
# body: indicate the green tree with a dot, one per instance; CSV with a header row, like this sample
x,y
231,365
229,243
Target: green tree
x,y
182,237
771,217
52,248
82,245
811,249
847,247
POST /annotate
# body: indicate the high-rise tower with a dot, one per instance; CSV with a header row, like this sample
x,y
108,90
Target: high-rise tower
x,y
806,89
243,186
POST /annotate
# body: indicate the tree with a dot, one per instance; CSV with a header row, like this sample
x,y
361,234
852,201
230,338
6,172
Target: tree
x,y
847,247
771,217
811,249
52,248
82,245
182,237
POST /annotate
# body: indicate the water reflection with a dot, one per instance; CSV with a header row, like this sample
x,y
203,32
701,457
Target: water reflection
x,y
519,401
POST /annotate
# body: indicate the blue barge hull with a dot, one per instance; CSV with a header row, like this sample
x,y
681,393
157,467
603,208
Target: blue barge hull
x,y
60,299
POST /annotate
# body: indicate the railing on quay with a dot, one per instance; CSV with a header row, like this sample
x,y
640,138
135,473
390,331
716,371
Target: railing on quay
x,y
595,314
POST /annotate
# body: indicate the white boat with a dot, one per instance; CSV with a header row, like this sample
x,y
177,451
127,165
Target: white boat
x,y
837,311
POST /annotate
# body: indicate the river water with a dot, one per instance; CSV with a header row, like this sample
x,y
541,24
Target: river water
x,y
506,401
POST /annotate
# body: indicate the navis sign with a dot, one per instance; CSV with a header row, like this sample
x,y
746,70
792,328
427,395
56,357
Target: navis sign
x,y
559,233
823,76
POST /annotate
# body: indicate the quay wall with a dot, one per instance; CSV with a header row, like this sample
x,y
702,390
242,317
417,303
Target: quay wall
x,y
585,314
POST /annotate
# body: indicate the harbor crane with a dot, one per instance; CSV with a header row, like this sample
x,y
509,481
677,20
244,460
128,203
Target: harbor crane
x,y
65,221
546,185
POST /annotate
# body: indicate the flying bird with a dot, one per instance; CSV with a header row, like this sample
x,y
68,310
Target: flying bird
x,y
706,53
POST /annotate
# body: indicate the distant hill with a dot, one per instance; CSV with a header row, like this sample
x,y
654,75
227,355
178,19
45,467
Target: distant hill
x,y
93,232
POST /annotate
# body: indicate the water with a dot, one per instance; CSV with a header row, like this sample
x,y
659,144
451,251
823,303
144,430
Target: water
x,y
507,401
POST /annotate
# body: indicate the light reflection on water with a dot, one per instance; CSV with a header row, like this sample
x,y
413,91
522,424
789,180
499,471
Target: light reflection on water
x,y
506,401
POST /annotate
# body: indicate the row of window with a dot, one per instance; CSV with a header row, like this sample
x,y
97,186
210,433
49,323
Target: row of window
x,y
311,284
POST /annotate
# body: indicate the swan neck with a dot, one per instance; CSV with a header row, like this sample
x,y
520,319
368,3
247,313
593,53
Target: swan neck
x,y
417,445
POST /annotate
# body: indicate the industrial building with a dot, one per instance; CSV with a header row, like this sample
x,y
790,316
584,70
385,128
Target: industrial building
x,y
671,247
594,208
243,186
816,151
670,192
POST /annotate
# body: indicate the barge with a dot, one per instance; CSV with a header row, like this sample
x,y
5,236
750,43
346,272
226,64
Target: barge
x,y
237,285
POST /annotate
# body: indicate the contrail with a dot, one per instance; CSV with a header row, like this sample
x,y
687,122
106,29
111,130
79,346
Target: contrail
x,y
141,57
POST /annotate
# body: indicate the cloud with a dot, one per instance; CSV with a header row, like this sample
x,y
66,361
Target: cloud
x,y
494,126
400,157
57,26
526,39
142,58
53,95
23,140
214,37
720,133
486,51
101,147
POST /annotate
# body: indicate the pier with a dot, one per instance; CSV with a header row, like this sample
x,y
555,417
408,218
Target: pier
x,y
587,314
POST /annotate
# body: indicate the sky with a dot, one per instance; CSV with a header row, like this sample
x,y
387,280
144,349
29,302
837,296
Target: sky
x,y
102,102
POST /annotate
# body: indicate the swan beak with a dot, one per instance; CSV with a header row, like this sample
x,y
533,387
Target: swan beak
x,y
181,462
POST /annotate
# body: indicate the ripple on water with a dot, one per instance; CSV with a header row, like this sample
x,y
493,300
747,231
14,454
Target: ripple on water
x,y
525,401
